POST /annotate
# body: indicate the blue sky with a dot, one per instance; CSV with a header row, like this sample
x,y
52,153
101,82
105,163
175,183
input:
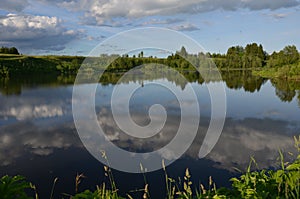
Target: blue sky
x,y
75,27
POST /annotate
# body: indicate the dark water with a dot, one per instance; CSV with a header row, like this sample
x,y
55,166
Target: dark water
x,y
38,138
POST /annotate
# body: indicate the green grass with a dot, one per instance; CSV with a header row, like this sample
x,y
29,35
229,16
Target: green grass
x,y
15,188
291,72
281,183
23,64
20,64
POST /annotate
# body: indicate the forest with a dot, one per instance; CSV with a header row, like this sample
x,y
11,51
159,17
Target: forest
x,y
282,64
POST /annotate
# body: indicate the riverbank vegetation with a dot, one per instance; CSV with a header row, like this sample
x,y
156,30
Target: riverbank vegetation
x,y
285,89
283,64
22,64
283,182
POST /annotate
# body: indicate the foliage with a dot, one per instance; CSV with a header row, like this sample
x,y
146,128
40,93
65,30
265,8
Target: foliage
x,y
23,64
288,55
68,67
252,56
234,57
6,50
4,72
100,193
14,187
281,183
290,71
286,62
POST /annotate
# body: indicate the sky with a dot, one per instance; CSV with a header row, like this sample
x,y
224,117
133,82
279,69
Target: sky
x,y
75,27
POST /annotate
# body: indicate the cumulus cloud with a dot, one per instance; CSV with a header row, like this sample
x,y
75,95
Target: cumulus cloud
x,y
108,10
28,112
13,5
36,104
18,139
35,32
242,139
239,140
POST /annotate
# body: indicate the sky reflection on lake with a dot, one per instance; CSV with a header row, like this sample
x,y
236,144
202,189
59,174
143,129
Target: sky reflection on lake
x,y
38,136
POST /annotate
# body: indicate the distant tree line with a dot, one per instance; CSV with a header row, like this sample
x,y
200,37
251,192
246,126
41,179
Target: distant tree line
x,y
289,55
6,50
253,56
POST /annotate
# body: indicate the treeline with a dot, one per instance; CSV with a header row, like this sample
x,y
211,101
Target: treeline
x,y
16,65
254,56
283,63
289,55
6,50
234,79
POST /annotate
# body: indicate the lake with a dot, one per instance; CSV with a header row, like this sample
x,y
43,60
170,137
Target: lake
x,y
38,138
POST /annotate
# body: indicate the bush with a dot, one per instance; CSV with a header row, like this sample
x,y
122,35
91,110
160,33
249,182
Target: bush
x,y
14,187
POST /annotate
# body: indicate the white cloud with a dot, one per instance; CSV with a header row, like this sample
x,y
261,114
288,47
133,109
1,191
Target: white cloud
x,y
107,11
29,112
239,140
17,140
35,32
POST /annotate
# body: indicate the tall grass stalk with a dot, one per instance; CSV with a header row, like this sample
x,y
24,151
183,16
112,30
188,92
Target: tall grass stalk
x,y
281,183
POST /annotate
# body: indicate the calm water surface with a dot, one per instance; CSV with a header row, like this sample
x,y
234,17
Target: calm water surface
x,y
38,138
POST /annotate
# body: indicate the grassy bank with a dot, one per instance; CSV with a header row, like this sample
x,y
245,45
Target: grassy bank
x,y
11,65
23,64
284,63
281,183
290,72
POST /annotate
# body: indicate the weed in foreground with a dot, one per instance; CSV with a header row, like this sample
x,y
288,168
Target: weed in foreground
x,y
281,183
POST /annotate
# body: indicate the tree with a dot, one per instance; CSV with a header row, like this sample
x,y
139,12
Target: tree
x,y
254,56
183,52
291,54
6,50
234,56
13,50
